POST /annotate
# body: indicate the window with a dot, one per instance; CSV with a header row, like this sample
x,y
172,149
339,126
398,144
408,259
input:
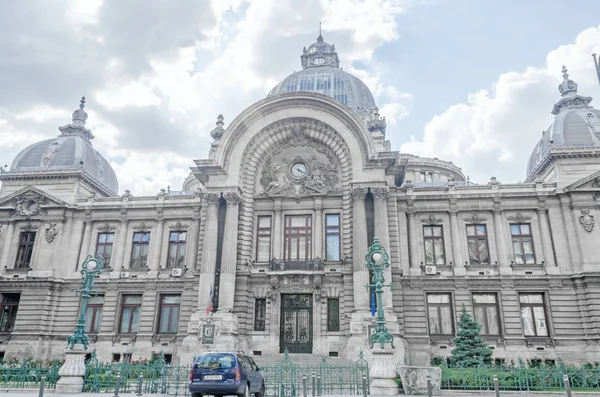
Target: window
x,y
104,246
10,305
176,249
263,239
479,254
26,240
533,314
485,309
440,314
434,245
139,254
332,237
522,243
168,318
333,314
427,177
298,237
260,309
93,314
131,307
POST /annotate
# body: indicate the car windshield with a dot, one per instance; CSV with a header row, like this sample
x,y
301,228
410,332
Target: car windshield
x,y
216,360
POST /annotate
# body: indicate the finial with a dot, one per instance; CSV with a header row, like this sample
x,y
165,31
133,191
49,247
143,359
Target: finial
x,y
320,38
565,75
218,131
82,103
79,115
568,88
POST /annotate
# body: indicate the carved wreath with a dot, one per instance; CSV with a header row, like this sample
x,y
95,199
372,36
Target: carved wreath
x,y
587,220
51,232
29,204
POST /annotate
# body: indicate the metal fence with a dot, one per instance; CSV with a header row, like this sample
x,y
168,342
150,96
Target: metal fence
x,y
522,378
28,375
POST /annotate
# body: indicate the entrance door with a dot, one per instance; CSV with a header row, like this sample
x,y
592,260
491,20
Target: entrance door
x,y
296,332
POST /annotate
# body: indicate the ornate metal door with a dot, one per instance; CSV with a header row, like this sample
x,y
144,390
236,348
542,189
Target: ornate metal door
x,y
296,323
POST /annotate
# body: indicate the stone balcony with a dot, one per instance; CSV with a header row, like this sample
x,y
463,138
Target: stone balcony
x,y
282,265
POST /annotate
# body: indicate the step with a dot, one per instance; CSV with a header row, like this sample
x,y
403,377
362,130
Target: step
x,y
300,359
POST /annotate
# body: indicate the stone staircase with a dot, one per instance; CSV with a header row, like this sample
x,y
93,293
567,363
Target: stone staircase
x,y
300,359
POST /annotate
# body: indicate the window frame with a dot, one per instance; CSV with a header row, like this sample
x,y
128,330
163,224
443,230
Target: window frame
x,y
439,315
104,245
132,313
520,237
161,305
333,327
425,175
94,307
14,308
495,305
141,244
25,250
180,248
264,232
477,237
260,304
433,238
298,233
333,231
543,305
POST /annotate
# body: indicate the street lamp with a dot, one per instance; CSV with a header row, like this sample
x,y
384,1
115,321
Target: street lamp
x,y
378,260
90,268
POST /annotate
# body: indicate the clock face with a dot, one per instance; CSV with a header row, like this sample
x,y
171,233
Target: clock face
x,y
319,61
298,170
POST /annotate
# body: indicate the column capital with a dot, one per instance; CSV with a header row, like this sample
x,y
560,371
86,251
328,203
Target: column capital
x,y
358,193
212,198
380,193
232,198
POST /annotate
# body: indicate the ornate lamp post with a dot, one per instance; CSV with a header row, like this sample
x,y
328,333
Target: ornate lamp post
x,y
73,370
378,260
90,268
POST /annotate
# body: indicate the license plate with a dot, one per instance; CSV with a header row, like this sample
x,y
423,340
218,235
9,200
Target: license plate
x,y
213,377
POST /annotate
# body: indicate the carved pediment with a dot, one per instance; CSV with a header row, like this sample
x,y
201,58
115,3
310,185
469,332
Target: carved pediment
x,y
589,183
300,167
30,202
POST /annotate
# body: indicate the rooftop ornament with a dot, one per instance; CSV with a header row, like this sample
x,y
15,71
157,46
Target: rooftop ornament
x,y
378,260
90,269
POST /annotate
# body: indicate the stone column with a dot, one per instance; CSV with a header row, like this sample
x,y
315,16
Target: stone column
x,y
503,254
459,264
119,254
6,249
229,254
85,244
209,250
382,230
413,243
571,232
277,249
318,227
359,249
546,239
192,248
156,240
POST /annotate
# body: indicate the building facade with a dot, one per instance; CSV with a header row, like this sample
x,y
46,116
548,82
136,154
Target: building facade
x,y
263,249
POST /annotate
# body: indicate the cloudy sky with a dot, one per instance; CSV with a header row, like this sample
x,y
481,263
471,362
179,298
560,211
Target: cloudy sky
x,y
468,81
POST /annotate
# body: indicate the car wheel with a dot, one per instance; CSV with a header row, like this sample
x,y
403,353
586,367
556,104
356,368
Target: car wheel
x,y
261,393
246,392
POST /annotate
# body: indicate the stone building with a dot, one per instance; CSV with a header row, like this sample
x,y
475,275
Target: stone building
x,y
263,248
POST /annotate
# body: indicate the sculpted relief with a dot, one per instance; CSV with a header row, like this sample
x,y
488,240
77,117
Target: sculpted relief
x,y
300,167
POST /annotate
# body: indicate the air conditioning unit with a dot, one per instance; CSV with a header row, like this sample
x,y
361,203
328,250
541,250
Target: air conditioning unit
x,y
431,270
177,272
124,274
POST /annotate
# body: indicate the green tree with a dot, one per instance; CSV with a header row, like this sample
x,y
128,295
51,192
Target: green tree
x,y
470,351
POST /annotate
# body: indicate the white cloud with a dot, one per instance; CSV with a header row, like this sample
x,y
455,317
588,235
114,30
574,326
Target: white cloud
x,y
494,131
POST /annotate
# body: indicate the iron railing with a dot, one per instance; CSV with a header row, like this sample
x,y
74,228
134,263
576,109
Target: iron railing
x,y
28,376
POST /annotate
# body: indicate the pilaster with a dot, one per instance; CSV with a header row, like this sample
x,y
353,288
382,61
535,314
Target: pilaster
x,y
209,251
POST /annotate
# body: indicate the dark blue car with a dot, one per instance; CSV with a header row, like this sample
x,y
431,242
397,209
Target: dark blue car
x,y
226,373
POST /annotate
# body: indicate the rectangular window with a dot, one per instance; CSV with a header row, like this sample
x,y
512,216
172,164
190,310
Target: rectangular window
x,y
10,305
263,239
522,243
439,310
434,245
139,253
176,250
485,310
333,314
298,237
168,317
131,306
533,314
93,314
260,313
427,177
332,237
104,246
26,241
479,254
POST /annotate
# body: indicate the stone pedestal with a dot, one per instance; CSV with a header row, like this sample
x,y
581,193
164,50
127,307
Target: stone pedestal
x,y
383,372
72,371
414,379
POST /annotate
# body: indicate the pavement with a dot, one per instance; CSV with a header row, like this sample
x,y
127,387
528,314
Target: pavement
x,y
51,393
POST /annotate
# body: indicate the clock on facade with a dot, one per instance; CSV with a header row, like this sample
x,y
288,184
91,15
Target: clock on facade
x,y
299,170
319,61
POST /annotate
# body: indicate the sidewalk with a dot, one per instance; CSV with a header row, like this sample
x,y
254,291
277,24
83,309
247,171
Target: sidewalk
x,y
51,393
